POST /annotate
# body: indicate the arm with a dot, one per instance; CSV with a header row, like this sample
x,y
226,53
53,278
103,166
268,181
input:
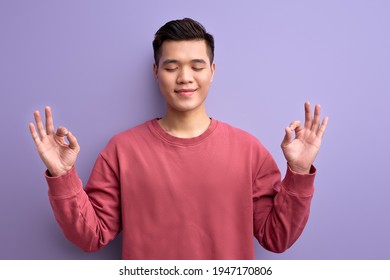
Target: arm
x,y
281,209
89,218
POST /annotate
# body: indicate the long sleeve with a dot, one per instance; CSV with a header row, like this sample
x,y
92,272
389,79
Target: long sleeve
x,y
280,208
183,198
89,218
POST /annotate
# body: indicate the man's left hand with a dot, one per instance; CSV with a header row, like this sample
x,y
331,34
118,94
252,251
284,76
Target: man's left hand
x,y
301,151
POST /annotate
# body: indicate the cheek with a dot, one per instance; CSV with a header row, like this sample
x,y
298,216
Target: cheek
x,y
205,81
164,81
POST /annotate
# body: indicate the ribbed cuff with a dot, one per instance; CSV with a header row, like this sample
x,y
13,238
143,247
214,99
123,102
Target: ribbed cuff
x,y
65,185
299,184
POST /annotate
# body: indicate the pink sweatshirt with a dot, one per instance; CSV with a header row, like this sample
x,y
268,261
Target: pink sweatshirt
x,y
183,198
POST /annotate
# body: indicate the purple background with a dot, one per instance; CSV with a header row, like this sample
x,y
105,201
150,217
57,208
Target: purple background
x,y
92,62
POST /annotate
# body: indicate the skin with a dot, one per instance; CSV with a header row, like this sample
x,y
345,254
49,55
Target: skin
x,y
184,75
58,156
301,151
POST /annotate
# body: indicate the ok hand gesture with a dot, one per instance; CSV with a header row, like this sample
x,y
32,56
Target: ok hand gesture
x,y
301,151
58,156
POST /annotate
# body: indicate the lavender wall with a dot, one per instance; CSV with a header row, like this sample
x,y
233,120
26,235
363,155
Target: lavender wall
x,y
92,62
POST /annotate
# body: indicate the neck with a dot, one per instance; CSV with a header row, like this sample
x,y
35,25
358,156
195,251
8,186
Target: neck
x,y
185,124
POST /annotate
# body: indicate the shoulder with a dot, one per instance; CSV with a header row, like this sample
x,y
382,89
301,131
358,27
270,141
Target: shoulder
x,y
129,137
243,144
238,134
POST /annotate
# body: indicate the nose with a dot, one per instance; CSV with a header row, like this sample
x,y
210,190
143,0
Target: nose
x,y
184,76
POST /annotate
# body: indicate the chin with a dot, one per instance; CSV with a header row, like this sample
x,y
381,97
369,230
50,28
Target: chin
x,y
183,108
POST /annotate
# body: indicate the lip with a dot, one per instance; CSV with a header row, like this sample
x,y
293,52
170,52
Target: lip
x,y
185,92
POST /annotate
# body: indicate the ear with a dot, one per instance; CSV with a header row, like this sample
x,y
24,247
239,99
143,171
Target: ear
x,y
155,70
212,71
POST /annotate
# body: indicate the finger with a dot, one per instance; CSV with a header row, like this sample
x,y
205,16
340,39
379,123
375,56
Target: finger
x,y
308,118
288,137
317,118
38,120
73,144
62,132
296,126
49,121
34,134
321,129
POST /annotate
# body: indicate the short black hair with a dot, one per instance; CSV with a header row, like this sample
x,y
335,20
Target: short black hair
x,y
182,30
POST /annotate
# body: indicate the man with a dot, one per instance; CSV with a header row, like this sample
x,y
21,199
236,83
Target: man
x,y
184,186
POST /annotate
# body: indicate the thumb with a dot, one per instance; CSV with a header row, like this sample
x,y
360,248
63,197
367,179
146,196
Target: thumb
x,y
73,144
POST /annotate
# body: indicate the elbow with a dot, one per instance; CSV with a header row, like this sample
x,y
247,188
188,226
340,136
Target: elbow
x,y
90,246
276,244
276,247
89,249
86,245
277,241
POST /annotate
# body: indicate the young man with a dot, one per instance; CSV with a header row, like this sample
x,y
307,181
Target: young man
x,y
184,186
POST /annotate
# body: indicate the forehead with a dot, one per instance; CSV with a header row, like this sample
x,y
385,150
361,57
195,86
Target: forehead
x,y
184,50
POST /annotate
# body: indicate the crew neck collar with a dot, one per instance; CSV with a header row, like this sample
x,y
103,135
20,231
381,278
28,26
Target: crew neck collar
x,y
161,133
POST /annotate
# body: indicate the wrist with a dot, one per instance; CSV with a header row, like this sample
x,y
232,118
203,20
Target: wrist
x,y
56,173
299,169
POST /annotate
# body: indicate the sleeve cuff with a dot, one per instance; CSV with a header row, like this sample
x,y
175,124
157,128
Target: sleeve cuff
x,y
299,184
65,185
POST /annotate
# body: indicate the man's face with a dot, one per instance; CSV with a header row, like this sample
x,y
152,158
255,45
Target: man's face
x,y
184,75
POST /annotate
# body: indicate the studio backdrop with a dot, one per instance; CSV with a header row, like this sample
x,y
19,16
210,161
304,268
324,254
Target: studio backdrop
x,y
91,61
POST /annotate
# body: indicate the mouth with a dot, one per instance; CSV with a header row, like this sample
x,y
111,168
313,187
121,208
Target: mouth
x,y
185,92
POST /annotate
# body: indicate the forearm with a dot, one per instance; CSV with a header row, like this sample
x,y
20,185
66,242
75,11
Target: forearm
x,y
78,216
288,212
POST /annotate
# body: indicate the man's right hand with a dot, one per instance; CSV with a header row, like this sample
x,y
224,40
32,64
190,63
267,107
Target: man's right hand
x,y
58,156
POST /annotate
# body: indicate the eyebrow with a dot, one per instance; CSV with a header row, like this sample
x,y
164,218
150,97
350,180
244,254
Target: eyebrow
x,y
197,60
